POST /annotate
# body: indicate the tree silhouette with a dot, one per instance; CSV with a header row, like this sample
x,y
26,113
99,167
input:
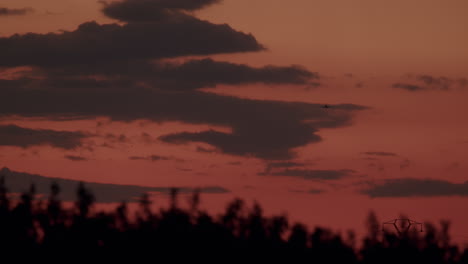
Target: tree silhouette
x,y
239,234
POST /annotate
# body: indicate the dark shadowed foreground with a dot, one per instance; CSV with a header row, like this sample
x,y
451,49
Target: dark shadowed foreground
x,y
46,231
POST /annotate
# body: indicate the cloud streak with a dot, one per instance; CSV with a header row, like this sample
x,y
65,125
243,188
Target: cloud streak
x,y
189,75
93,43
152,10
380,153
409,187
311,191
260,128
18,182
15,12
208,73
408,87
425,82
313,174
75,158
150,158
12,135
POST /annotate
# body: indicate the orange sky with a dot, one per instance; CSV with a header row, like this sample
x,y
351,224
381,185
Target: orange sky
x,y
359,48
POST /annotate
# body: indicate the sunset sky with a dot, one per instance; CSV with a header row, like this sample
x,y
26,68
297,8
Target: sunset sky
x,y
229,96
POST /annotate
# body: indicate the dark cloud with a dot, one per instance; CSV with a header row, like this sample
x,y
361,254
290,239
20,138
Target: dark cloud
x,y
92,43
107,145
453,166
426,82
152,10
311,191
205,150
110,70
405,164
75,158
463,82
209,189
266,129
315,191
147,139
260,128
380,153
11,12
105,193
271,166
150,158
208,73
285,164
246,144
313,174
408,87
71,67
12,135
190,75
410,187
112,138
442,83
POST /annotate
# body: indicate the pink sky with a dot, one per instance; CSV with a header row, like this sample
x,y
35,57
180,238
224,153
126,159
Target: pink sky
x,y
360,49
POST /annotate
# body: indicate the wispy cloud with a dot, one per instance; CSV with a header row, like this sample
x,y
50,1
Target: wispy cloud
x,y
75,158
313,174
17,182
405,164
425,82
150,158
311,191
15,12
410,187
380,153
12,135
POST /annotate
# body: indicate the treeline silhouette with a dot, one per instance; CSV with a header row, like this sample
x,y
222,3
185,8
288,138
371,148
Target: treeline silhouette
x,y
46,230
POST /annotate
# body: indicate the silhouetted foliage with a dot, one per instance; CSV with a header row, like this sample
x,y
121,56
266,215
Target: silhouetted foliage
x,y
49,231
